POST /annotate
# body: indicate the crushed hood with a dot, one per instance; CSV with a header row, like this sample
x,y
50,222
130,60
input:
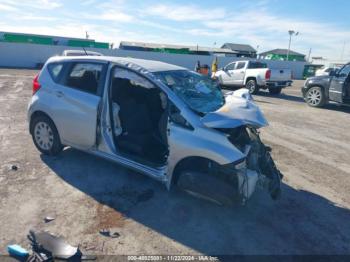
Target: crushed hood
x,y
239,109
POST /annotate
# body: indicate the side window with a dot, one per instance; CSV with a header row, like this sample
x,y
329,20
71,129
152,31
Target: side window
x,y
240,65
85,77
231,66
55,70
345,71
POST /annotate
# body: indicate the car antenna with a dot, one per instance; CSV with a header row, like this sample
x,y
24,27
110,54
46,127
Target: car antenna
x,y
85,51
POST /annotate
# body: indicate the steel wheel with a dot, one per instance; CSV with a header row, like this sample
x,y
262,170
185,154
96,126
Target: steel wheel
x,y
43,136
315,97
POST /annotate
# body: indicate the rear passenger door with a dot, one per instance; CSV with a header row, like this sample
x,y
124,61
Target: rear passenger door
x,y
78,95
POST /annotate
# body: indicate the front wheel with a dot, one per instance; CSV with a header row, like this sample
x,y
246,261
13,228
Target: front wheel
x,y
275,91
315,97
252,86
45,136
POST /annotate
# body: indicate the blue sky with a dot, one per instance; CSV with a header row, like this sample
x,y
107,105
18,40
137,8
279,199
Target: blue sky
x,y
323,25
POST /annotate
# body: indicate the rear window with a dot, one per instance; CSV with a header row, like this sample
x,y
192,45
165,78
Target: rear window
x,y
256,65
85,77
55,70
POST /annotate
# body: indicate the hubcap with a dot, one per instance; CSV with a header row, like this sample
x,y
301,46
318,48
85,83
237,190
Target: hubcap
x,y
314,97
43,135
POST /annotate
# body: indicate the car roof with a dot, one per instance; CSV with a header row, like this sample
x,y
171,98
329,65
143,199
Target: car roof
x,y
149,65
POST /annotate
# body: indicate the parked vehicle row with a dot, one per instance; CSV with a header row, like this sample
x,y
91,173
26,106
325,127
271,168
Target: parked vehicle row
x,y
254,75
162,120
319,90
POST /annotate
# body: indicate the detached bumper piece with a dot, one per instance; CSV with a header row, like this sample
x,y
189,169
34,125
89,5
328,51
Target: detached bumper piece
x,y
269,169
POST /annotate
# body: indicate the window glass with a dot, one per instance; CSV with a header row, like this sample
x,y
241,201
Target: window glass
x,y
135,79
55,70
345,71
240,65
231,66
255,65
85,77
200,93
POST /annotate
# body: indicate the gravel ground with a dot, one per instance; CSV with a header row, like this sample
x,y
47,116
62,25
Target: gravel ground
x,y
86,194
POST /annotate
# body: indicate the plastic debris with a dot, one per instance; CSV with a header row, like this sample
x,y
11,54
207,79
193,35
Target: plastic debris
x,y
48,219
108,233
17,251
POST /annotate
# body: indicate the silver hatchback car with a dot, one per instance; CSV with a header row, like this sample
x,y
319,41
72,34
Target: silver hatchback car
x,y
162,120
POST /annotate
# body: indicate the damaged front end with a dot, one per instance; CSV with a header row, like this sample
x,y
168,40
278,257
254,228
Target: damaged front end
x,y
240,118
258,167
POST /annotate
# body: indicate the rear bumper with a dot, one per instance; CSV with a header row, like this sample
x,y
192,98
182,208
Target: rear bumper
x,y
275,84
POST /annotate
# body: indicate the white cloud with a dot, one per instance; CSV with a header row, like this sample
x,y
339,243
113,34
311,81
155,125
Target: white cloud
x,y
6,7
184,13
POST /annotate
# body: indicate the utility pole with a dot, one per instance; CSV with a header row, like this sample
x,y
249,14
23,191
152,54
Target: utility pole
x,y
291,33
308,57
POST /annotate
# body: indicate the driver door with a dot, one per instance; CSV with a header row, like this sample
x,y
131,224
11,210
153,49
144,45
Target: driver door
x,y
228,74
337,87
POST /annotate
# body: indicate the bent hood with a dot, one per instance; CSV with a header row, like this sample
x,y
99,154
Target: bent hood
x,y
239,109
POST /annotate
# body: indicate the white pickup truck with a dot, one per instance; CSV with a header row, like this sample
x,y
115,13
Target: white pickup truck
x,y
254,75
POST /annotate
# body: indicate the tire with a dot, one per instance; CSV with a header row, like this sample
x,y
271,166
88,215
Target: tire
x,y
252,86
45,136
275,91
315,97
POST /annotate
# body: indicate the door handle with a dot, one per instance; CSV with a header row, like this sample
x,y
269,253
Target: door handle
x,y
59,94
242,72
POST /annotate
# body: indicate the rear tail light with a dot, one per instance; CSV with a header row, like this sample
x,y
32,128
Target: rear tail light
x,y
36,84
268,75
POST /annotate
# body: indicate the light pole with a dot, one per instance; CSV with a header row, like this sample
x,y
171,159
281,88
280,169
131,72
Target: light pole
x,y
291,33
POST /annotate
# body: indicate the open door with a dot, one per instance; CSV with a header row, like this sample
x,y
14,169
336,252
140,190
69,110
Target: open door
x,y
337,85
139,118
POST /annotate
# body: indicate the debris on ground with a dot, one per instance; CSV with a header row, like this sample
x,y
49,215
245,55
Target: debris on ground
x,y
55,246
108,233
48,219
14,167
18,252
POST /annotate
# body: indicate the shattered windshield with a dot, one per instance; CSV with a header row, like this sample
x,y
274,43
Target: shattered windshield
x,y
199,92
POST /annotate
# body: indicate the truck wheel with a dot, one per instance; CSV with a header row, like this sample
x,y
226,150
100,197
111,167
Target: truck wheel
x,y
252,86
275,91
315,97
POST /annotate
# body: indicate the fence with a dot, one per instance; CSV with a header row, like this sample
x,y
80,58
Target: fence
x,y
29,55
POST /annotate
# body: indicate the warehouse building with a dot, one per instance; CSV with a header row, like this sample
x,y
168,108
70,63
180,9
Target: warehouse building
x,y
241,50
176,49
281,55
50,40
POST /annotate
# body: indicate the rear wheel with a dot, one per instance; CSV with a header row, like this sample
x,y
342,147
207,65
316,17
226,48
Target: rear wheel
x,y
275,91
45,136
252,86
315,97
